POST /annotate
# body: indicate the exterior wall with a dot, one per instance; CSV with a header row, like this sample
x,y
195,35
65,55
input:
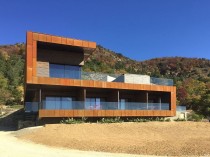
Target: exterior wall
x,y
133,78
43,69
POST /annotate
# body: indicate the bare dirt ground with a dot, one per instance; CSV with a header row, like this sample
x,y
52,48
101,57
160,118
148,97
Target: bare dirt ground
x,y
151,138
10,146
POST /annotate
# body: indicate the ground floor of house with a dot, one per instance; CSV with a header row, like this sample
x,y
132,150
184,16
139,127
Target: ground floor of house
x,y
62,101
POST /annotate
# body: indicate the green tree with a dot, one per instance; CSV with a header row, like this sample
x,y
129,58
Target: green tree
x,y
190,91
204,104
4,93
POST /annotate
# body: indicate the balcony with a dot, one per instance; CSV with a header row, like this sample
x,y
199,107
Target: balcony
x,y
134,78
45,69
81,105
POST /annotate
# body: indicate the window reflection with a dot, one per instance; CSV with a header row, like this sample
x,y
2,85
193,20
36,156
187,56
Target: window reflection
x,y
65,71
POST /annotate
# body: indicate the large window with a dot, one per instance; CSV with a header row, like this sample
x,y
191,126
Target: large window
x,y
65,71
58,103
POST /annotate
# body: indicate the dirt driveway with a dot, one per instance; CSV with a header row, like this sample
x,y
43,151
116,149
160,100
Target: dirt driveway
x,y
10,146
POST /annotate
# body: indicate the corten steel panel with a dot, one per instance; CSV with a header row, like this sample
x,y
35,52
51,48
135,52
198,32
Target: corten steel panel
x,y
34,65
63,41
61,112
29,39
56,39
34,51
69,41
92,45
95,113
49,38
69,113
117,113
77,43
109,113
42,37
102,113
88,113
35,79
57,113
29,55
98,84
85,43
173,101
81,113
29,75
35,36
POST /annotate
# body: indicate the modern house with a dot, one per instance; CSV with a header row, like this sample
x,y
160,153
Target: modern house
x,y
56,86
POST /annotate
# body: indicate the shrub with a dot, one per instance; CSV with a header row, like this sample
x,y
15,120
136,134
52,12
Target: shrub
x,y
195,117
180,120
73,121
161,120
110,120
167,120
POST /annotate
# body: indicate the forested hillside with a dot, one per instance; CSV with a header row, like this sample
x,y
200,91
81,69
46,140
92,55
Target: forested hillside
x,y
190,75
11,74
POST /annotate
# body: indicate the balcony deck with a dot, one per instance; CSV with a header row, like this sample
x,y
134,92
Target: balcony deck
x,y
105,109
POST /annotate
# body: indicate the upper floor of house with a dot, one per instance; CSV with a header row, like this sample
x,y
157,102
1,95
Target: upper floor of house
x,y
59,60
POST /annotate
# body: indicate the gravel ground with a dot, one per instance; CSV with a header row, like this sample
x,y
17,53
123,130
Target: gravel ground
x,y
151,138
10,146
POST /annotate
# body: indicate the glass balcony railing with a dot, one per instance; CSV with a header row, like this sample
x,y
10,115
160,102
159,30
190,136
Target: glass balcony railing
x,y
75,72
81,105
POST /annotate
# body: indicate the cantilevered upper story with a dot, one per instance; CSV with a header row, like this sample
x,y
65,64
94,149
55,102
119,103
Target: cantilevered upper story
x,y
56,86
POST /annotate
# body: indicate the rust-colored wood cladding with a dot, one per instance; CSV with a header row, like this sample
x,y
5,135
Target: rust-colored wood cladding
x,y
31,49
100,84
103,113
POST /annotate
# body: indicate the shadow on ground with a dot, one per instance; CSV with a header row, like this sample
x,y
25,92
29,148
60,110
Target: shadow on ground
x,y
9,122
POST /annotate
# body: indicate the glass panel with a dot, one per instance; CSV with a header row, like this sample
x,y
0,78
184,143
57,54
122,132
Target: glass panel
x,y
50,103
98,102
87,103
56,70
57,103
66,103
65,71
122,104
72,72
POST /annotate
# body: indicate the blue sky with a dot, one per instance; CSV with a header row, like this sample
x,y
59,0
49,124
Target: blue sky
x,y
139,29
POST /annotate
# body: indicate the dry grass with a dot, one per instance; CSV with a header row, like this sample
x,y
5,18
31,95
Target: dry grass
x,y
152,138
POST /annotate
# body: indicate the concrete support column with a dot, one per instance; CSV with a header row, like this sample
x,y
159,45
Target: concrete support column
x,y
160,103
82,96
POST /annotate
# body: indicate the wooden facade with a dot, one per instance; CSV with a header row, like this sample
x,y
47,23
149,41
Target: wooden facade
x,y
33,78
